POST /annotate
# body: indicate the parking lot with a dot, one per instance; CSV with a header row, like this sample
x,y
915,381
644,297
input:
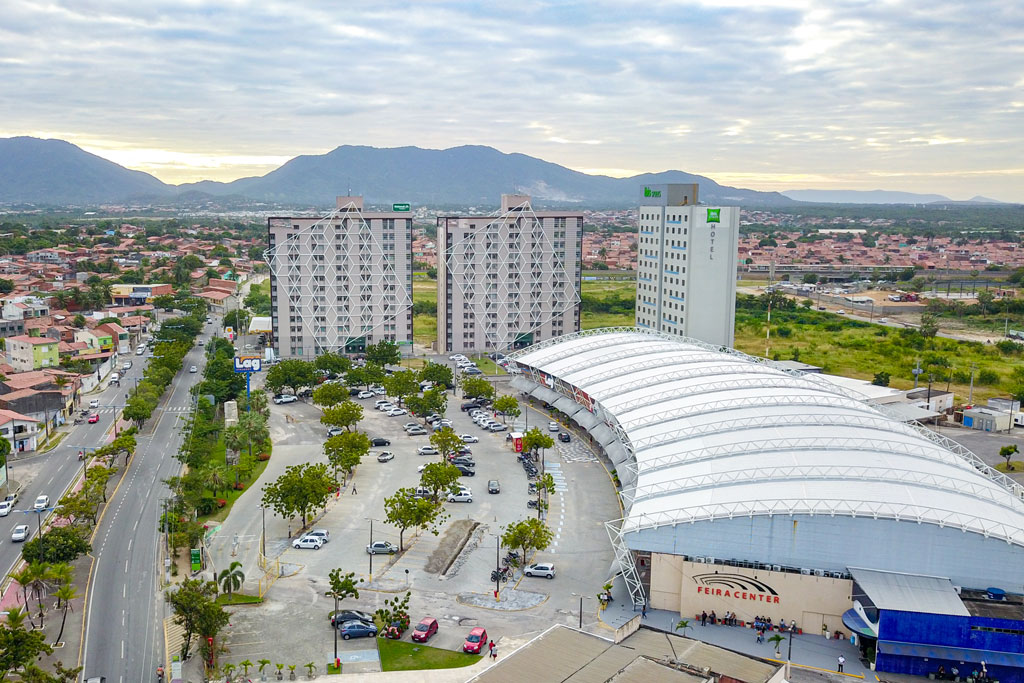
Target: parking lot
x,y
583,501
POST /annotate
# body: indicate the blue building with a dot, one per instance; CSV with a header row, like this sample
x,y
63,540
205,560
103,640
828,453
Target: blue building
x,y
915,624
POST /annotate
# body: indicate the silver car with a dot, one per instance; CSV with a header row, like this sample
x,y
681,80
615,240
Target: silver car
x,y
545,569
20,532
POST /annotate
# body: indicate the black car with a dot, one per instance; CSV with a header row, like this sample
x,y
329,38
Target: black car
x,y
464,460
379,441
465,470
493,486
563,437
344,615
469,405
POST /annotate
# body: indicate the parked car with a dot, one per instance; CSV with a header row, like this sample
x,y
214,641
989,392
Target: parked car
x,y
553,427
382,548
11,498
475,641
365,394
94,418
545,569
466,460
473,371
417,431
322,534
378,391
42,502
496,427
20,532
564,437
380,401
397,627
385,456
427,450
334,431
465,470
456,356
95,403
462,496
357,629
341,616
468,438
395,412
379,441
469,405
193,369
5,508
285,398
426,628
410,425
307,541
386,406
493,486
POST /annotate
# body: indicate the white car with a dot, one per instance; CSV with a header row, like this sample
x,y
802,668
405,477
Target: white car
x,y
396,412
378,391
365,394
381,401
42,502
385,407
545,569
322,534
193,369
95,403
463,496
456,356
468,438
385,456
285,398
427,450
5,508
411,425
496,427
20,532
307,541
416,431
553,426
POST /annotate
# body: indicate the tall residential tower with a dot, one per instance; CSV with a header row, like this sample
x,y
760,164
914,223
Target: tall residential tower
x,y
686,272
341,281
507,281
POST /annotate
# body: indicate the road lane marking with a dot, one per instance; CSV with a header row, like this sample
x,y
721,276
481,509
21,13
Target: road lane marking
x,y
131,539
122,649
126,566
124,591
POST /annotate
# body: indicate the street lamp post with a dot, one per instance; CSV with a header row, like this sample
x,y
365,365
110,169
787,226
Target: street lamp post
x,y
581,596
263,537
497,566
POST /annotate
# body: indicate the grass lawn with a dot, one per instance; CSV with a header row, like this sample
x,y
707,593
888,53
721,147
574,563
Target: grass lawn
x,y
398,655
424,329
424,290
238,599
231,495
262,287
1017,466
489,367
590,321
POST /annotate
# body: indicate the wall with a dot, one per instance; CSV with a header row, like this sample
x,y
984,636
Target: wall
x,y
711,275
690,587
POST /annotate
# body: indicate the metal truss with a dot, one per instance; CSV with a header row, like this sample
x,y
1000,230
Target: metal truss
x,y
785,445
526,285
643,362
338,280
627,565
823,420
815,472
832,507
745,402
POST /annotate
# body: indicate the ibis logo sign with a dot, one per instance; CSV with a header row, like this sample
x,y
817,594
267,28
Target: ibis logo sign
x,y
714,215
648,192
248,363
401,207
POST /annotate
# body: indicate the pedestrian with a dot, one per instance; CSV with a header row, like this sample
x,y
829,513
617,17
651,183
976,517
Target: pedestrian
x,y
354,489
490,648
494,652
704,618
713,618
643,611
840,661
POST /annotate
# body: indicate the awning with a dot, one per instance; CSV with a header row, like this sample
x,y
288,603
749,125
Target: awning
x,y
856,624
602,434
586,419
544,394
616,452
520,383
566,405
954,654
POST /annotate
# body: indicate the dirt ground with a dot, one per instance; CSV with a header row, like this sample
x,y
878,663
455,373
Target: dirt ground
x,y
454,538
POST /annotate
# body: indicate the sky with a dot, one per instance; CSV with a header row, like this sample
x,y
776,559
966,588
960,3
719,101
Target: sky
x,y
920,96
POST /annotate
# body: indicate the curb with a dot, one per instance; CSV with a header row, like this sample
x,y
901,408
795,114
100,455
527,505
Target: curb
x,y
498,609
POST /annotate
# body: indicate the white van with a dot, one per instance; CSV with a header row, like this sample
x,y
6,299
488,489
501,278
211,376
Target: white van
x,y
114,377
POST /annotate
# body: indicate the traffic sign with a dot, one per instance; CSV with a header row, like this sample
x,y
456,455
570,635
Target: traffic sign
x,y
248,363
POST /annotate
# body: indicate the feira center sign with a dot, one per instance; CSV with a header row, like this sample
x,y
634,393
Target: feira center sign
x,y
401,207
648,192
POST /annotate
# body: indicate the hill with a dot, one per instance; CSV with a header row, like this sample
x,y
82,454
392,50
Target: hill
x,y
863,197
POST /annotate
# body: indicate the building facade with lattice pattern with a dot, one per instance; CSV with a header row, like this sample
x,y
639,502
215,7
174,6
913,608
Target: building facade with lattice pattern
x,y
508,280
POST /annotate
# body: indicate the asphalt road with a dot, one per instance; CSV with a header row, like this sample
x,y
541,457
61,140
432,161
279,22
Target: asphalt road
x,y
51,473
123,633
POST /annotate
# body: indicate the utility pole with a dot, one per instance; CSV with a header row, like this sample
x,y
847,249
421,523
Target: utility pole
x,y
970,396
916,371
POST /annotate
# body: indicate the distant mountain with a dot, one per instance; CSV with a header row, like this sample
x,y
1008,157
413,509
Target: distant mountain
x,y
55,172
58,173
863,197
978,199
466,175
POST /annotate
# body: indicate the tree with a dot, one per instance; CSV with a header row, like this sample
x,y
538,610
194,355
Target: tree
x,y
477,387
60,544
346,415
545,488
232,578
440,375
383,353
196,610
535,439
446,441
439,477
292,374
394,609
342,586
19,647
401,384
346,451
406,511
6,286
333,363
257,403
435,401
300,490
238,319
138,409
79,321
527,535
881,379
418,405
64,594
507,405
810,278
929,325
683,625
1007,452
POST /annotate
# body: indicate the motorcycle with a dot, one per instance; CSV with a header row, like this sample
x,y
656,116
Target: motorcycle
x,y
78,421
532,503
501,575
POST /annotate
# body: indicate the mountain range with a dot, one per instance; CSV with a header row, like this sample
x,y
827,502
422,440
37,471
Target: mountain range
x,y
55,172
878,197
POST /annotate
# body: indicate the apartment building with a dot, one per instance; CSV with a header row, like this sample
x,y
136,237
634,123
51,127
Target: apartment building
x,y
507,281
341,281
26,353
686,265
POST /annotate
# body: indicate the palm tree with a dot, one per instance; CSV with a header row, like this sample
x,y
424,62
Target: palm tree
x,y
65,594
24,578
231,580
61,299
40,572
255,426
263,663
245,664
259,403
235,439
215,479
61,574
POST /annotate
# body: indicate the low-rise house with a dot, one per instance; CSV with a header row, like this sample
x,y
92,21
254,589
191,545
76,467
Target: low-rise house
x,y
26,353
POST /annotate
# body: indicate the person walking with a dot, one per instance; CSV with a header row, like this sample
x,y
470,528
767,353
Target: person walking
x,y
839,663
494,653
353,489
713,618
643,611
490,647
704,618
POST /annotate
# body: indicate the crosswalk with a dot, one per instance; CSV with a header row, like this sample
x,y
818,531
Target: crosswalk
x,y
108,410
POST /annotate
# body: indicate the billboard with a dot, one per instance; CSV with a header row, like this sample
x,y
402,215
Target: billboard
x,y
248,364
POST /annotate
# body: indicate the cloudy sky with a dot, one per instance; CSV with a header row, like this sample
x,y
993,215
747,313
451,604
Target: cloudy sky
x,y
923,96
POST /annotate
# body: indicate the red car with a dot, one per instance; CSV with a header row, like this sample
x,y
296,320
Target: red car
x,y
426,628
397,627
475,641
94,418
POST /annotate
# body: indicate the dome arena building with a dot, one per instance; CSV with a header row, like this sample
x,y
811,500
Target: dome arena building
x,y
758,490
